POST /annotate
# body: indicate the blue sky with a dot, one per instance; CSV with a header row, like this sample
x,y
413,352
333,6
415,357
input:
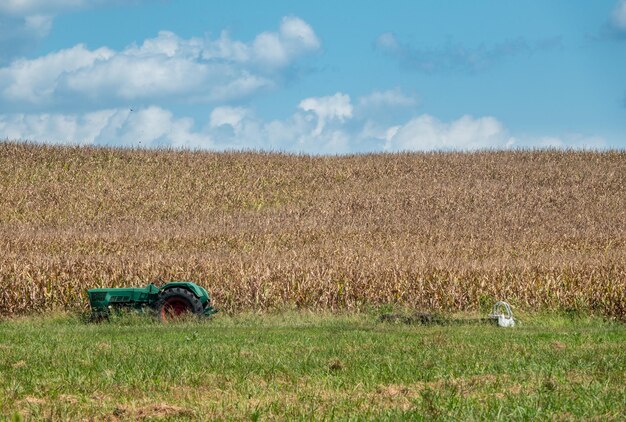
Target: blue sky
x,y
315,77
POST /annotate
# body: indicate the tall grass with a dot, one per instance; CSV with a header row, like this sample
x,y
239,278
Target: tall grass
x,y
542,229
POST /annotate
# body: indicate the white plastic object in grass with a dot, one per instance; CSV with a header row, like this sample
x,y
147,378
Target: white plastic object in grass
x,y
501,312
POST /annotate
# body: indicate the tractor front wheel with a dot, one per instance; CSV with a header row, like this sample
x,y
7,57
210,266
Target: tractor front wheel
x,y
176,302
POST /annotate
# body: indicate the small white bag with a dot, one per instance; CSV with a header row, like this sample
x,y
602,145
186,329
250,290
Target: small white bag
x,y
505,319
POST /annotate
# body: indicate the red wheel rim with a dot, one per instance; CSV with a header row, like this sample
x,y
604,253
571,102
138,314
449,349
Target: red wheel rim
x,y
174,307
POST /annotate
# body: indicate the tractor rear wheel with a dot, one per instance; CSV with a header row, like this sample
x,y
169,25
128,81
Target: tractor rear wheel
x,y
176,302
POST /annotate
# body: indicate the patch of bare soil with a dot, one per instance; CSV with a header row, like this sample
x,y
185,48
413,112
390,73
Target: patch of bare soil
x,y
156,411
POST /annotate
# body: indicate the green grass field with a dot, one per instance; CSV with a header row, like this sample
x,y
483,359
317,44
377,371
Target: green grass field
x,y
308,366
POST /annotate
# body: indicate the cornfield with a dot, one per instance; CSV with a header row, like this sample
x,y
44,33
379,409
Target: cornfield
x,y
545,230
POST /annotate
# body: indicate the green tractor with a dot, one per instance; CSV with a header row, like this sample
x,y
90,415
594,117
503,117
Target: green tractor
x,y
170,301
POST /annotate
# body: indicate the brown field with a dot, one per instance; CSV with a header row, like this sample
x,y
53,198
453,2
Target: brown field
x,y
545,230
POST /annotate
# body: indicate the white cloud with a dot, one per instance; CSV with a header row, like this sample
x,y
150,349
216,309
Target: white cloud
x,y
239,128
55,128
164,67
231,116
294,38
335,107
152,126
226,49
298,133
36,81
274,49
158,127
426,133
389,101
618,17
298,35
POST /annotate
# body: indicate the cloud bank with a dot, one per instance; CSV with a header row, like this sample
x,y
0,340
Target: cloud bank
x,y
167,66
319,125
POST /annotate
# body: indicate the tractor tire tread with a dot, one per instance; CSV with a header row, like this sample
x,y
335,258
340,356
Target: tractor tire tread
x,y
196,304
